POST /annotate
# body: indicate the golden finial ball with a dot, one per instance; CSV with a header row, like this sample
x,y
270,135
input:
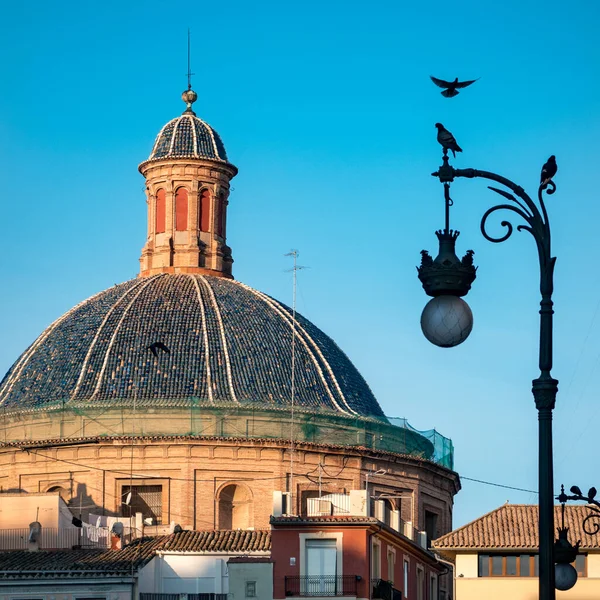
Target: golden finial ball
x,y
189,97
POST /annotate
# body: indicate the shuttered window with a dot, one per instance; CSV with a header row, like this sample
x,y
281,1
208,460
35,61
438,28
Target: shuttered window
x,y
145,499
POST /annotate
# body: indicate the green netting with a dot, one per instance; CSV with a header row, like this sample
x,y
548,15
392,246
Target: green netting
x,y
194,417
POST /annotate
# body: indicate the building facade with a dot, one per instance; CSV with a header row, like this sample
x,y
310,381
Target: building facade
x,y
496,556
167,399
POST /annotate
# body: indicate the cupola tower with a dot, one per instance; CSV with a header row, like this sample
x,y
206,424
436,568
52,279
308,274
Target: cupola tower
x,y
187,192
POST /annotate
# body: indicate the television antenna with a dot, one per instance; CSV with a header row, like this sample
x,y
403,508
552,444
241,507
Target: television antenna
x,y
294,254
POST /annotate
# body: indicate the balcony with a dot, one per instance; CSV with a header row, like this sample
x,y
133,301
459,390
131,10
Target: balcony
x,y
384,590
206,596
56,539
321,585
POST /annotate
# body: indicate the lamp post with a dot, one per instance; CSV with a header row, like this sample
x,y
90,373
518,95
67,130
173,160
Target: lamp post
x,y
447,319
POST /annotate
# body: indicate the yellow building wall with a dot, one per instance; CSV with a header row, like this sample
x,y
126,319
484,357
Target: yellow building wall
x,y
471,587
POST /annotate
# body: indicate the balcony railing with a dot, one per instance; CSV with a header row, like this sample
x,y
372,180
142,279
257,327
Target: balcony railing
x,y
56,539
321,585
206,596
384,590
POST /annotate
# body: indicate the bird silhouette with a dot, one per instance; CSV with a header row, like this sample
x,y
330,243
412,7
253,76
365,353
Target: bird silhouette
x,y
156,346
451,86
548,170
575,490
447,140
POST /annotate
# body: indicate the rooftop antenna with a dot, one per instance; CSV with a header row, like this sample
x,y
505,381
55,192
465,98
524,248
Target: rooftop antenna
x,y
294,269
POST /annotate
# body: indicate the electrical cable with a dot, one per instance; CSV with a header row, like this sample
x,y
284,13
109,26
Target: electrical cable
x,y
500,485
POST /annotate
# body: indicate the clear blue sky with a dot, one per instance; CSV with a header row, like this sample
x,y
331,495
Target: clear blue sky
x,y
328,111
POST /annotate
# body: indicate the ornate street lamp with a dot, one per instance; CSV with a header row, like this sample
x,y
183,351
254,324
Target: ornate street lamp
x,y
447,321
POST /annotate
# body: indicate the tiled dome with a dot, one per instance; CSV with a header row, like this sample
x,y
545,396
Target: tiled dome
x,y
229,344
188,136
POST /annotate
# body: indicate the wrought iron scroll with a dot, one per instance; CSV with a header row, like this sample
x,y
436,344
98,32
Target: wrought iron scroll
x,y
533,214
591,523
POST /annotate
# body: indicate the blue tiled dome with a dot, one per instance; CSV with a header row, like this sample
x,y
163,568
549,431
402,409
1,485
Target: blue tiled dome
x,y
229,344
188,136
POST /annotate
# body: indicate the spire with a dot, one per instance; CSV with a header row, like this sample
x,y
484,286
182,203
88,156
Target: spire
x,y
189,96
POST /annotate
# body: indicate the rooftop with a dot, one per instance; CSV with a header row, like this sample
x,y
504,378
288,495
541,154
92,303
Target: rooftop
x,y
515,526
82,563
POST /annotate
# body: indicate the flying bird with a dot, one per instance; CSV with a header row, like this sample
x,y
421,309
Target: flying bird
x,y
548,170
156,346
447,140
451,86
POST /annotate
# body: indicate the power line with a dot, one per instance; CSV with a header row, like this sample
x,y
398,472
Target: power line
x,y
500,485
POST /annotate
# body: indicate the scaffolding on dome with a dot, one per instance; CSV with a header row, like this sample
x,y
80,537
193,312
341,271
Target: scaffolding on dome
x,y
195,418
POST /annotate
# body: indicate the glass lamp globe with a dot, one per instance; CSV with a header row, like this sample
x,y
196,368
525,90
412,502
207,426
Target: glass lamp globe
x,y
565,576
447,321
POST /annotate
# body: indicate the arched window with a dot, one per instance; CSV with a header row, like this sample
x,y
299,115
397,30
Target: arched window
x,y
64,493
181,209
160,211
221,216
235,507
204,211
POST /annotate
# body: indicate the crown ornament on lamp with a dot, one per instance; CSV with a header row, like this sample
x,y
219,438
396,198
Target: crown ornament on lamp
x,y
447,320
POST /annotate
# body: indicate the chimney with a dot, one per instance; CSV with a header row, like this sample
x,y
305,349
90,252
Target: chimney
x,y
35,533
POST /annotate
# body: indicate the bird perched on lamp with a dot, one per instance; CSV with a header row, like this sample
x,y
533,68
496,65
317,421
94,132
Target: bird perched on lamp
x,y
548,170
451,87
447,140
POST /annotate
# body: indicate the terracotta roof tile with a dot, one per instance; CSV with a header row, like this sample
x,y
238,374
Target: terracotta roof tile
x,y
97,562
324,519
515,526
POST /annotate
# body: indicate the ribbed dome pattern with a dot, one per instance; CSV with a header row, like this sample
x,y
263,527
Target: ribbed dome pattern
x,y
188,136
229,344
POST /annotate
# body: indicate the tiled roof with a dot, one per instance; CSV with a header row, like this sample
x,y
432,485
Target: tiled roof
x,y
334,519
188,136
230,345
217,541
515,526
105,563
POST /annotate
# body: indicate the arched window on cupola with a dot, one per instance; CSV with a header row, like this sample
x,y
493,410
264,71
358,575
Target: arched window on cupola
x,y
221,216
160,211
204,211
181,210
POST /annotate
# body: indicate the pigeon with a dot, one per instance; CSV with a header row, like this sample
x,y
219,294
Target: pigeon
x,y
156,346
447,140
451,86
548,170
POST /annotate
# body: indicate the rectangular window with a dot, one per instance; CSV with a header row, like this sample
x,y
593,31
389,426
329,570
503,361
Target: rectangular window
x,y
376,561
519,565
145,499
497,570
420,584
511,566
391,559
484,565
406,571
250,589
433,587
431,520
524,564
580,565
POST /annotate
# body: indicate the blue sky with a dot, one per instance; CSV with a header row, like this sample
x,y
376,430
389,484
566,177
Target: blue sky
x,y
328,111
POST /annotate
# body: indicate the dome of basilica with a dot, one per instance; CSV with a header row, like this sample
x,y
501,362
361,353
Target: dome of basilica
x,y
228,345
